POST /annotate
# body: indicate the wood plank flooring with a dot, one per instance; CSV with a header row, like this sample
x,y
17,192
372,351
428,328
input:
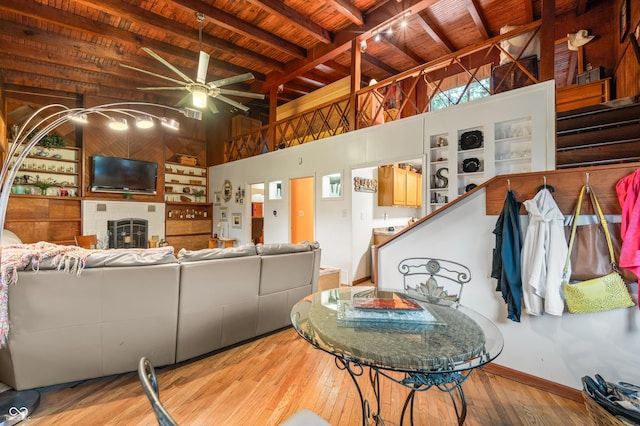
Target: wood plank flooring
x,y
265,381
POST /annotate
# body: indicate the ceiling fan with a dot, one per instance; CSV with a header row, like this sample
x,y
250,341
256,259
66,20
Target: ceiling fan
x,y
200,90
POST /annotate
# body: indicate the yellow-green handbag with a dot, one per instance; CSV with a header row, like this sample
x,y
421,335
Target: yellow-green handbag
x,y
598,294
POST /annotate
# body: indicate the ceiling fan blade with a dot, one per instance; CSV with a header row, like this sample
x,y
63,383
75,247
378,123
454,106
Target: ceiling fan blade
x,y
203,66
152,73
184,100
163,88
168,65
212,107
230,80
242,94
232,103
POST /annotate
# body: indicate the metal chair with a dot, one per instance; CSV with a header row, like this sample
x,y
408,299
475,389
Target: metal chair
x,y
149,383
434,280
86,241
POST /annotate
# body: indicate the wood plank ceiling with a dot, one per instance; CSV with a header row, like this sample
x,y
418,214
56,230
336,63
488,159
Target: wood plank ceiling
x,y
76,46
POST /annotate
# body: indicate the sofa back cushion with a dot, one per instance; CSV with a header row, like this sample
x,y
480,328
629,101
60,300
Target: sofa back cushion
x,y
185,255
283,248
282,272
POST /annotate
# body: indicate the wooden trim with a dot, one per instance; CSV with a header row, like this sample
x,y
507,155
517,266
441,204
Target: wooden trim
x,y
534,381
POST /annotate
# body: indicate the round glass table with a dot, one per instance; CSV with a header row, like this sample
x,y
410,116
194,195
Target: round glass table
x,y
434,344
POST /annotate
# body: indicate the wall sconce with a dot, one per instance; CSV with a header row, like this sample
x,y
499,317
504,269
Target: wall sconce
x,y
363,46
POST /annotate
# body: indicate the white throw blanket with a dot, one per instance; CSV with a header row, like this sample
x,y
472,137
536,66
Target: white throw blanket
x,y
71,259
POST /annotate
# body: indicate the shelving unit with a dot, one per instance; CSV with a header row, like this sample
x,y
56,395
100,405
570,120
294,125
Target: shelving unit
x,y
189,222
473,175
179,178
188,225
59,165
438,187
513,146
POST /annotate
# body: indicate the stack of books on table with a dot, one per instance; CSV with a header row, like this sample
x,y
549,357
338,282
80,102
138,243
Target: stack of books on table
x,y
385,310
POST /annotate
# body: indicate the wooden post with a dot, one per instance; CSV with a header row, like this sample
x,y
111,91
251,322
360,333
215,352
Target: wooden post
x,y
273,105
547,37
354,82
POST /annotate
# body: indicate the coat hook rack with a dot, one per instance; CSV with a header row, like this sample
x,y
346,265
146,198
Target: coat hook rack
x,y
545,186
587,181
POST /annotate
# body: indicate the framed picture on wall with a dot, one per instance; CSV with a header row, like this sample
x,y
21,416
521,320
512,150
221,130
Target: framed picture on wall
x,y
236,220
217,198
625,19
224,215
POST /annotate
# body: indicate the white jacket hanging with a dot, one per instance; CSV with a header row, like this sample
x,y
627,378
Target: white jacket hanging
x,y
543,254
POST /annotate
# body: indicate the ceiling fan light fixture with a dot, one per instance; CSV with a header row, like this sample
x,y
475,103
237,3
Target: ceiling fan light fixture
x,y
170,123
118,124
199,97
145,122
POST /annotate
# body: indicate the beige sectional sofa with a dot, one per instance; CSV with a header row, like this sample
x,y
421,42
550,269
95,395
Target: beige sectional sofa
x,y
129,303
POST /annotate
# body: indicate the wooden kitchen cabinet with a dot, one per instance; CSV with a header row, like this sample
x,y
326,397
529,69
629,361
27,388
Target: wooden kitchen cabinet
x,y
399,187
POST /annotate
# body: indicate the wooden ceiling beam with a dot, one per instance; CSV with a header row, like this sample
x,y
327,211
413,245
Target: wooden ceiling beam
x,y
277,7
113,53
581,7
78,23
379,64
348,10
40,81
342,40
232,23
475,10
163,25
435,33
401,47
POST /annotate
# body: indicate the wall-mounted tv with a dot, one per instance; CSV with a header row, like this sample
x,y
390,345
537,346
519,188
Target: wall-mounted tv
x,y
122,175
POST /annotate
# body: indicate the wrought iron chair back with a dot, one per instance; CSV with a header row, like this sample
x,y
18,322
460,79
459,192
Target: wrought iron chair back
x,y
149,382
434,280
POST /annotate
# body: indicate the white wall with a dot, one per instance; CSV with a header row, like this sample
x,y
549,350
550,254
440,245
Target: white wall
x,y
343,226
559,349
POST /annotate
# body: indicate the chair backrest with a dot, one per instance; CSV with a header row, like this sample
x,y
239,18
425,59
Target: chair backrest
x,y
149,383
434,280
86,241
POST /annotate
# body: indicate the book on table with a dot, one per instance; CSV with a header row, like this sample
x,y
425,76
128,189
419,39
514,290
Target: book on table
x,y
386,310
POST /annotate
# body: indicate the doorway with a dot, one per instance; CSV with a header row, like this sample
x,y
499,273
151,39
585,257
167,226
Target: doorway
x,y
302,212
257,217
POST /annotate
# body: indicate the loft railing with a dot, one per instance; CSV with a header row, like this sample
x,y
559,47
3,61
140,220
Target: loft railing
x,y
406,94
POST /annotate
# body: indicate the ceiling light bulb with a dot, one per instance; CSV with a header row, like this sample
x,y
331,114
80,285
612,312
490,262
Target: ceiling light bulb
x,y
118,124
199,95
404,23
390,31
377,37
144,122
170,123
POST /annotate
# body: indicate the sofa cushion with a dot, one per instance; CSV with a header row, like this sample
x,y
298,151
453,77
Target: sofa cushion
x,y
283,248
185,255
9,238
120,257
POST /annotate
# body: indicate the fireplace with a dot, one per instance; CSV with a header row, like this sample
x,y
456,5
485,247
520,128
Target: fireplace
x,y
127,233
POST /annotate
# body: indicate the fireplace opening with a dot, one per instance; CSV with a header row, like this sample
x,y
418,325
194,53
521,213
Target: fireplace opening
x,y
127,233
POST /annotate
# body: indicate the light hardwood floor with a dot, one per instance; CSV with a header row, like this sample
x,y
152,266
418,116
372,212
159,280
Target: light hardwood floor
x,y
265,381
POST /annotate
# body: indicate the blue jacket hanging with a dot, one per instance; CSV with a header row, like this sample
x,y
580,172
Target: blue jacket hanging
x,y
506,266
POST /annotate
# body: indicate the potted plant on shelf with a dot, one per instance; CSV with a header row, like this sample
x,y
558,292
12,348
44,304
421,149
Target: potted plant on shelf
x,y
44,184
48,141
198,193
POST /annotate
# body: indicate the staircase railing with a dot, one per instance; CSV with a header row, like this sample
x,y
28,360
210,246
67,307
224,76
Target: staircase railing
x,y
406,94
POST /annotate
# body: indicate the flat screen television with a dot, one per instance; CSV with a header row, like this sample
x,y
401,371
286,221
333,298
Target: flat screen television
x,y
122,175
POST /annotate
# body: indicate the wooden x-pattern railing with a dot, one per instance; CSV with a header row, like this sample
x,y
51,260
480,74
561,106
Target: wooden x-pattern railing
x,y
415,89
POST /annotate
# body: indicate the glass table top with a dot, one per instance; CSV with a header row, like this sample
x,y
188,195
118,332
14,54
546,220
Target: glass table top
x,y
390,331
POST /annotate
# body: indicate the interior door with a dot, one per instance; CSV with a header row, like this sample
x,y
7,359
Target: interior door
x,y
302,212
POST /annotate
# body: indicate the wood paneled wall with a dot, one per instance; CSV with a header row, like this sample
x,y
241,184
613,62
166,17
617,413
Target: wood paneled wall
x,y
567,184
